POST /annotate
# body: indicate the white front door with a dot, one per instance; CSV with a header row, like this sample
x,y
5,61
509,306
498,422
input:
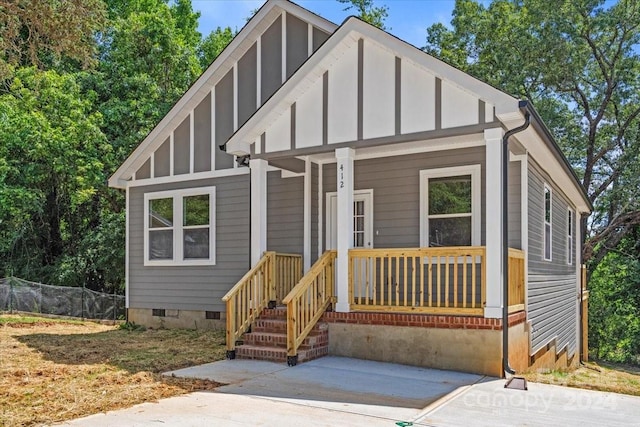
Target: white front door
x,y
362,233
362,219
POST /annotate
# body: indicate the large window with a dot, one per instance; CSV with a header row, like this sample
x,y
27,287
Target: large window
x,y
570,225
179,227
547,222
450,206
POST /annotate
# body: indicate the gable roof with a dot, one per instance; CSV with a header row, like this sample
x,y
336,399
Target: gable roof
x,y
509,110
245,38
506,106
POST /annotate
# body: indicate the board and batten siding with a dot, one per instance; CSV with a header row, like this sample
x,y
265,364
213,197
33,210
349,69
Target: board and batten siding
x,y
552,285
396,191
193,143
285,213
192,287
367,92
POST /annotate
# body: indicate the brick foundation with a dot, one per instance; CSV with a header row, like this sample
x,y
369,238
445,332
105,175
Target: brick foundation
x,y
422,320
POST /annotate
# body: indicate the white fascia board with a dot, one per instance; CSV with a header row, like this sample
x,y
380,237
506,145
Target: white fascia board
x,y
538,150
268,13
347,34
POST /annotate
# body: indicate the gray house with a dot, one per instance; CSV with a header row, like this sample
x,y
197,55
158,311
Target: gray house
x,y
327,189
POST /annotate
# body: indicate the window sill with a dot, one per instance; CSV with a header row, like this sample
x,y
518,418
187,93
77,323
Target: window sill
x,y
168,263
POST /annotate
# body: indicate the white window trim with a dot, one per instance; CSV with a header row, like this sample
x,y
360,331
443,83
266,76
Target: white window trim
x,y
547,187
570,235
178,196
476,220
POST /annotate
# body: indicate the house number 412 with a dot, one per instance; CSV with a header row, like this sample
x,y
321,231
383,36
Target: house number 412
x,y
341,176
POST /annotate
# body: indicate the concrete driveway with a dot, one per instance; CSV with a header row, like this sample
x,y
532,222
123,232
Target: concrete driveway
x,y
335,391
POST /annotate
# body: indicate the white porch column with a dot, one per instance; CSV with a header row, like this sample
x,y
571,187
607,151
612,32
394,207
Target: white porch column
x,y
344,220
258,209
306,256
493,222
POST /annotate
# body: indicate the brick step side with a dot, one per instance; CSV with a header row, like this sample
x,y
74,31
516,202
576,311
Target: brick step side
x,y
274,313
276,354
317,337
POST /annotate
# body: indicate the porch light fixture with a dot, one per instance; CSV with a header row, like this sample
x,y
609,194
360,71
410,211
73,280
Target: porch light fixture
x,y
243,161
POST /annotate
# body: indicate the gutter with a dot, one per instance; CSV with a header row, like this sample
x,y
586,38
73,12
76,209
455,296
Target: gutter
x,y
505,241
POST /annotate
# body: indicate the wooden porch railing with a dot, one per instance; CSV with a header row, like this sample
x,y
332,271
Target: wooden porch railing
x,y
260,286
308,301
516,280
288,273
427,280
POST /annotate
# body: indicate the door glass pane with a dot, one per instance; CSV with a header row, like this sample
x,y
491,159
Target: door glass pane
x,y
161,213
196,210
196,243
358,240
450,231
450,195
161,244
358,207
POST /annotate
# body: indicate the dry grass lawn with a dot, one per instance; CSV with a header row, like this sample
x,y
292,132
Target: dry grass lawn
x,y
594,376
54,370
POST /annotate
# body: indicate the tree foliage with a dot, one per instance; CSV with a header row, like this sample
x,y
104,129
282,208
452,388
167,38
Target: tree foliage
x,y
64,129
42,32
368,12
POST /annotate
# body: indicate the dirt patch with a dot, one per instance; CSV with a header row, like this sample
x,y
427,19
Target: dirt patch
x,y
52,371
594,376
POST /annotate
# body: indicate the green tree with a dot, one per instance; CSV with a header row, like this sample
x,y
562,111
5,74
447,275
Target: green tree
x,y
213,45
368,12
37,32
50,171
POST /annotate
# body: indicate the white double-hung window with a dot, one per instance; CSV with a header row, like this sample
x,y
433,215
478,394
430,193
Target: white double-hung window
x,y
450,206
179,227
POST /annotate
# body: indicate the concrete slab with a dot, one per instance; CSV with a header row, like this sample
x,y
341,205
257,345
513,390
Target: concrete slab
x,y
490,404
335,391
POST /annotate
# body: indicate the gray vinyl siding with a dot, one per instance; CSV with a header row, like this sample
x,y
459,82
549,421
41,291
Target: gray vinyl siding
x,y
162,159
145,170
192,287
314,213
552,288
202,136
515,206
285,213
247,84
297,43
319,37
209,134
396,191
181,148
224,119
271,60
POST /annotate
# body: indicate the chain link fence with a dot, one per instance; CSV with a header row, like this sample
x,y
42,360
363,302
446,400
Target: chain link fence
x,y
21,295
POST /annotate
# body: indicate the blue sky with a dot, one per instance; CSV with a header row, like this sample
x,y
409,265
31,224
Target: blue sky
x,y
408,19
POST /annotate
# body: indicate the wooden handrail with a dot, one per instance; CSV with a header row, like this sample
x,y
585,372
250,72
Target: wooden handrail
x,y
516,280
443,280
269,280
248,298
307,301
